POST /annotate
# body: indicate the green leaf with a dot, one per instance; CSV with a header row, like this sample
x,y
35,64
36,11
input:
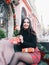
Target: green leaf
x,y
42,48
46,56
2,34
42,63
16,32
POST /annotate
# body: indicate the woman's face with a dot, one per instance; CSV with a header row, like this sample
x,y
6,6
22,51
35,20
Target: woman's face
x,y
26,24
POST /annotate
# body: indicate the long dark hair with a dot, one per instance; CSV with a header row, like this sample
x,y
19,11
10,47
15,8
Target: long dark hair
x,y
30,29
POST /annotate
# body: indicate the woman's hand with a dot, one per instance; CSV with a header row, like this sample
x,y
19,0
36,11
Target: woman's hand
x,y
21,38
15,40
27,49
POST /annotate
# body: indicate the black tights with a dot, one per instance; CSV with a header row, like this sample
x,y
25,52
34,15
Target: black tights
x,y
21,63
23,57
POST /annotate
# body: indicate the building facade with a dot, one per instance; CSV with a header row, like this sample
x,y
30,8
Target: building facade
x,y
18,10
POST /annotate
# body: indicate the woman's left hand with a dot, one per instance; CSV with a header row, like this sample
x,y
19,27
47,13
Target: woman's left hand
x,y
21,38
28,50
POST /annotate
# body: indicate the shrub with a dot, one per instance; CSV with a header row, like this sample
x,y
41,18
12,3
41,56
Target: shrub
x,y
16,32
2,34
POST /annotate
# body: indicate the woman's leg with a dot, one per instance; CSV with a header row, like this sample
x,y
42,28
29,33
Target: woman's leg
x,y
21,63
25,57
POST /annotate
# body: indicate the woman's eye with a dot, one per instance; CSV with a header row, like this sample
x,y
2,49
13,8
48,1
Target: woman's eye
x,y
26,22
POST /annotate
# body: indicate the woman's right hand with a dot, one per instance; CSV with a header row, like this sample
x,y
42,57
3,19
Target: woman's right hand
x,y
15,40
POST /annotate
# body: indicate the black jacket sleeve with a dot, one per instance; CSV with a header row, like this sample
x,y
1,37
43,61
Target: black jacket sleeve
x,y
31,43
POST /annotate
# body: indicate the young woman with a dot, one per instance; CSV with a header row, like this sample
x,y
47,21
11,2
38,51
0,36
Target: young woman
x,y
28,42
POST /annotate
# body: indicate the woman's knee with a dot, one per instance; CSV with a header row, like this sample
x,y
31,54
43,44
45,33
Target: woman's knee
x,y
21,63
18,55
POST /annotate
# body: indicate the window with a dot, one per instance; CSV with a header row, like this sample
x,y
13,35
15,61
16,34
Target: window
x,y
23,13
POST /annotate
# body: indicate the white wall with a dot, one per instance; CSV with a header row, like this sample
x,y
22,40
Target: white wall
x,y
10,25
42,8
18,12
